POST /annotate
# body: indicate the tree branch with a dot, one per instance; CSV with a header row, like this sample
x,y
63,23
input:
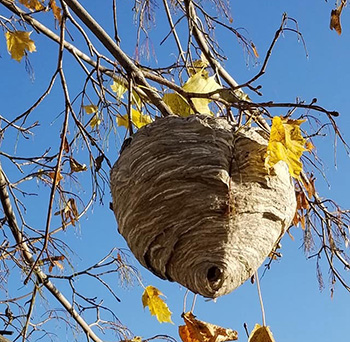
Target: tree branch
x,y
133,71
29,260
215,64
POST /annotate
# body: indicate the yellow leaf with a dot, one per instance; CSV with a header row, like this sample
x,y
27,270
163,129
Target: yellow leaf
x,y
57,11
95,121
136,339
18,42
177,104
137,118
286,143
198,65
75,166
33,5
261,334
156,305
90,109
119,88
201,83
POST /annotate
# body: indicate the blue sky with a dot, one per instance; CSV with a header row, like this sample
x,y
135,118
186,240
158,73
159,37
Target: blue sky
x,y
295,308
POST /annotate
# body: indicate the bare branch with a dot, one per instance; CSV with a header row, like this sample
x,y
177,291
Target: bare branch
x,y
118,54
29,260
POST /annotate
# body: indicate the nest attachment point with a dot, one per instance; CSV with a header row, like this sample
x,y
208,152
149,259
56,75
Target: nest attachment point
x,y
195,203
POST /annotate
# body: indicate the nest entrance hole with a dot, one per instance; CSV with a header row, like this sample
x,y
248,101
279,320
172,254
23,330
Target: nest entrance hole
x,y
214,276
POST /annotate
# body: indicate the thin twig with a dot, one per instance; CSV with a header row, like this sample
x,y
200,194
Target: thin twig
x,y
57,173
260,298
29,260
173,30
119,55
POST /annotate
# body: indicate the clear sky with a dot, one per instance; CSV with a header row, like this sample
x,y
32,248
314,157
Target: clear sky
x,y
296,310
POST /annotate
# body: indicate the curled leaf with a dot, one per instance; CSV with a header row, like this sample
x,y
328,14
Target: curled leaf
x,y
75,166
57,11
255,51
156,305
66,145
52,176
98,162
261,334
199,331
335,18
310,185
18,43
286,143
55,263
69,213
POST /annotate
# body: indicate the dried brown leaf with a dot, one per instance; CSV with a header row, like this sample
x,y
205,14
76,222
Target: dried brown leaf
x,y
75,166
57,11
199,331
52,176
335,18
98,162
255,51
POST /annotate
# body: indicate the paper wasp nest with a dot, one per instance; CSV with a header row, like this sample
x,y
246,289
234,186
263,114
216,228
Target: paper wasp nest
x,y
195,203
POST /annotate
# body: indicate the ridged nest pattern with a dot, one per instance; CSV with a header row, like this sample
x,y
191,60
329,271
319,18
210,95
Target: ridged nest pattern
x,y
195,203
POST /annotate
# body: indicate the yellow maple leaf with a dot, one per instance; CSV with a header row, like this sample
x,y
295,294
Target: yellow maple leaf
x,y
286,143
90,109
33,5
137,118
156,305
261,334
18,42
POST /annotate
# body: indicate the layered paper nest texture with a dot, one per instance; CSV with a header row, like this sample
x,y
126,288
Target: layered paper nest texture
x,y
196,204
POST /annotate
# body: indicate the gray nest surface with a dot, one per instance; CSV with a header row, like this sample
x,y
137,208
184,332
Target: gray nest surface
x,y
195,203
